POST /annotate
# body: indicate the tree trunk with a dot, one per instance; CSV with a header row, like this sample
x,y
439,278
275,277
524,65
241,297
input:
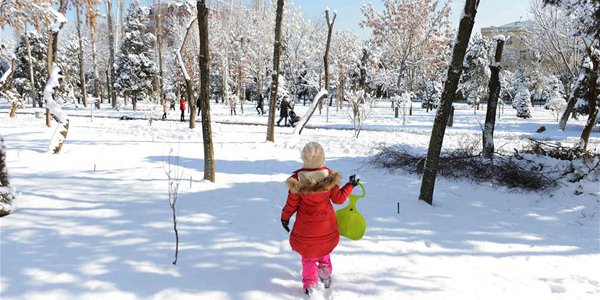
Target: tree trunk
x,y
450,122
80,57
191,103
209,157
95,60
160,62
31,74
134,101
108,89
593,98
326,56
441,118
363,70
275,74
111,58
490,116
566,114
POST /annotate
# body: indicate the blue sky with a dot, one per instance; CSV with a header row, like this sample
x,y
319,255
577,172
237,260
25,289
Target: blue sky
x,y
491,12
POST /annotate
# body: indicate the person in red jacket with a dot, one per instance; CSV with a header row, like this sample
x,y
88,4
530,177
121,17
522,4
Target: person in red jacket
x,y
182,108
315,233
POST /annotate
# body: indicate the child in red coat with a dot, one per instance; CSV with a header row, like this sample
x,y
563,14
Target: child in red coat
x,y
315,233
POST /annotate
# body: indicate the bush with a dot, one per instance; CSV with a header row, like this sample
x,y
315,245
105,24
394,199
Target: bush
x,y
465,163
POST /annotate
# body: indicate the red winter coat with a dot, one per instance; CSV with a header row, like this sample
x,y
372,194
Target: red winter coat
x,y
181,104
316,230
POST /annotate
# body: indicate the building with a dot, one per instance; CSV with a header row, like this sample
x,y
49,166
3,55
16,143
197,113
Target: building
x,y
516,54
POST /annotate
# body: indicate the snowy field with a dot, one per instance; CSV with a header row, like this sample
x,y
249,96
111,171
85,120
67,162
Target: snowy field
x,y
94,222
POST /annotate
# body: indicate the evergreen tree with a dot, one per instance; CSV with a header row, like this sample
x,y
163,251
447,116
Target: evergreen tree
x,y
523,103
69,89
38,44
553,91
476,73
432,94
136,67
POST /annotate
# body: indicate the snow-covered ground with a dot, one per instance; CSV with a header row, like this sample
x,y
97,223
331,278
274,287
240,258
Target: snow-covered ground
x,y
94,222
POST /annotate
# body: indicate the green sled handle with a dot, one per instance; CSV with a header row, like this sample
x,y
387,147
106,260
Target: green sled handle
x,y
351,223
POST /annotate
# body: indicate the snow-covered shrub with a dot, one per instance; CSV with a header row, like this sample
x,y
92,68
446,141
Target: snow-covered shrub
x,y
554,89
522,103
7,193
362,105
556,105
432,94
404,103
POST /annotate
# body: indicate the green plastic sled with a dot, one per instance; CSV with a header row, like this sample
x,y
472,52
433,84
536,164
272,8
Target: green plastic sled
x,y
351,224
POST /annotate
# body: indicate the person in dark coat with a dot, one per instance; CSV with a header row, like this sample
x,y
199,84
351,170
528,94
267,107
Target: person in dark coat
x,y
283,111
182,108
259,105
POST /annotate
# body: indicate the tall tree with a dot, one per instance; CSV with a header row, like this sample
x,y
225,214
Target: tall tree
x,y
441,118
275,74
209,155
136,63
80,56
490,117
112,94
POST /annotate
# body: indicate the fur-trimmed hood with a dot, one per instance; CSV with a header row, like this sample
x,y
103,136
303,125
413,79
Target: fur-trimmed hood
x,y
297,187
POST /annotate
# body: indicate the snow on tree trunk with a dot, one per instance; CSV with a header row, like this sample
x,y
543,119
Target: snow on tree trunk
x,y
62,128
523,103
490,117
275,74
439,126
311,110
209,156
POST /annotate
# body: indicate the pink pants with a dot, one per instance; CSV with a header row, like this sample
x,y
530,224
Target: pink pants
x,y
311,273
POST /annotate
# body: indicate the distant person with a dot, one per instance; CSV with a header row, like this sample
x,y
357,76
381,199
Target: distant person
x,y
165,108
172,104
260,104
283,111
232,104
182,108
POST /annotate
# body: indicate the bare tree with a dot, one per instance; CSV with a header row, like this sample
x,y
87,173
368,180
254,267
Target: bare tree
x,y
490,117
326,66
209,155
275,74
362,105
326,56
441,118
174,176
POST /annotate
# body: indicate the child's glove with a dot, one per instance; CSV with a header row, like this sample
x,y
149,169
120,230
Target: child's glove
x,y
285,225
353,180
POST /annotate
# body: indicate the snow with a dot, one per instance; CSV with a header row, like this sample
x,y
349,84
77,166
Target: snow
x,y
94,222
182,65
59,20
500,37
53,82
5,76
